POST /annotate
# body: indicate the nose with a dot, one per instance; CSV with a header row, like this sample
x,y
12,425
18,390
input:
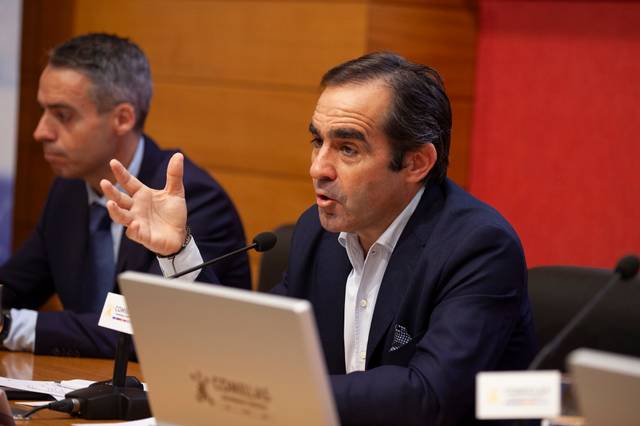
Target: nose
x,y
43,132
322,167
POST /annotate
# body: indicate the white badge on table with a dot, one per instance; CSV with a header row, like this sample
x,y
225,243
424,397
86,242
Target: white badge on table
x,y
517,394
115,314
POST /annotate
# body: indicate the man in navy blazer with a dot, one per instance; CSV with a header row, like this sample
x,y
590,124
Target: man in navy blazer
x,y
416,285
95,94
453,301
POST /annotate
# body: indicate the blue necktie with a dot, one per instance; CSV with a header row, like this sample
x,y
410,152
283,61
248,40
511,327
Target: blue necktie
x,y
102,264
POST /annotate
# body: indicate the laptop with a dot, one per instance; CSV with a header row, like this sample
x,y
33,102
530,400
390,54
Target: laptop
x,y
217,355
607,387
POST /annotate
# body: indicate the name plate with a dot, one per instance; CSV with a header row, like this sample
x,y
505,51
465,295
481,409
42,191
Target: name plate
x,y
518,395
115,314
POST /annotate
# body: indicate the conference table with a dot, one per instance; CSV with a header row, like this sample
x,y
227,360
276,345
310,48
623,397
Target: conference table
x,y
26,366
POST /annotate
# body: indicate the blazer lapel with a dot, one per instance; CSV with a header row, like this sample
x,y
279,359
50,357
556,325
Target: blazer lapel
x,y
78,213
332,268
404,261
395,282
72,253
152,159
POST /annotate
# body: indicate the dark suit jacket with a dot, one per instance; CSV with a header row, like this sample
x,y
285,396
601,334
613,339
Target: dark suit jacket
x,y
456,282
52,259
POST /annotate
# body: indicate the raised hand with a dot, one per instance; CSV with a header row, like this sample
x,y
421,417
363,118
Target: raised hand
x,y
154,218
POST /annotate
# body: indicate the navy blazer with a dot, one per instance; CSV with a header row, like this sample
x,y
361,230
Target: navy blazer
x,y
52,258
455,287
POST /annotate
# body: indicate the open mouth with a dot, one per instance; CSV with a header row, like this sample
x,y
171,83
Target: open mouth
x,y
324,201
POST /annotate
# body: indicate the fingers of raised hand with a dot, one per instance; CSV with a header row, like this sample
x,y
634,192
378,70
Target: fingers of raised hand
x,y
129,182
111,192
175,169
118,214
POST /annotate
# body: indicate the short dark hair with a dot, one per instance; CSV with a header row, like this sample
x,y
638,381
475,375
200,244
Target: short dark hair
x,y
117,68
420,112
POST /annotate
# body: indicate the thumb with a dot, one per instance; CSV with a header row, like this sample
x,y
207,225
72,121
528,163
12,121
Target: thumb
x,y
175,168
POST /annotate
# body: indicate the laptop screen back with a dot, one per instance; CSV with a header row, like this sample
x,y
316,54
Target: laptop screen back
x,y
607,387
216,355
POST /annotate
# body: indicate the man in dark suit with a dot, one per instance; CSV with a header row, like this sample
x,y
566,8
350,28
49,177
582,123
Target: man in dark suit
x,y
416,285
95,94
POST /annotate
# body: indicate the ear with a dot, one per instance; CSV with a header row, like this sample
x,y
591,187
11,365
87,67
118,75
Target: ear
x,y
418,163
124,118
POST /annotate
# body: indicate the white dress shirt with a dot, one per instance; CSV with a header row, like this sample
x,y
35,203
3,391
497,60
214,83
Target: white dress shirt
x,y
22,335
363,284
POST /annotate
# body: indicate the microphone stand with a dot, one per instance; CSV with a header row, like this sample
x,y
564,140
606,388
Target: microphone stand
x,y
121,361
113,400
262,242
552,346
212,261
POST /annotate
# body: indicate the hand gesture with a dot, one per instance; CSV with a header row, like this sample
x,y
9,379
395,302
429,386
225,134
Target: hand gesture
x,y
154,218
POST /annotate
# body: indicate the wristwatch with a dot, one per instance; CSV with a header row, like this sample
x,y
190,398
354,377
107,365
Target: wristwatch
x,y
6,325
185,243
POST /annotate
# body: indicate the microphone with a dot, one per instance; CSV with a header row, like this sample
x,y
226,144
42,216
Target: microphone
x,y
626,269
262,242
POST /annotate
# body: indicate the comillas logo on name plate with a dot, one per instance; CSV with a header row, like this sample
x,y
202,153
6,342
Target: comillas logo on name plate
x,y
115,315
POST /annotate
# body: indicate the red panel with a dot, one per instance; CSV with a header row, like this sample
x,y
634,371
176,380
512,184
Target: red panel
x,y
556,141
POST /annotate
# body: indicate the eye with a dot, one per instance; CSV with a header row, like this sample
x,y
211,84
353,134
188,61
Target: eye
x,y
348,150
62,116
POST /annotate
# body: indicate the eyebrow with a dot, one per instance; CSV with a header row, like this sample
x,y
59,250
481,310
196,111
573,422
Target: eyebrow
x,y
340,133
57,106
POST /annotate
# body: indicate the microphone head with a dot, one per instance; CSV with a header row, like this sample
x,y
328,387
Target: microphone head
x,y
628,267
265,241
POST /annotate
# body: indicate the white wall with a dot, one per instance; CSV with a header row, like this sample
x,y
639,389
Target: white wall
x,y
10,35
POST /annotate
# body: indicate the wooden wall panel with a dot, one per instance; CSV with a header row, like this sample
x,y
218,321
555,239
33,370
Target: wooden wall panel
x,y
433,4
462,111
244,129
276,42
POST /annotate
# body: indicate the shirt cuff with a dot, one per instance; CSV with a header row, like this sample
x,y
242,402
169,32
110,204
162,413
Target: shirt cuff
x,y
22,335
189,257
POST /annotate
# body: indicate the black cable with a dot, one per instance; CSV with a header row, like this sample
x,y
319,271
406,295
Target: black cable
x,y
69,405
33,411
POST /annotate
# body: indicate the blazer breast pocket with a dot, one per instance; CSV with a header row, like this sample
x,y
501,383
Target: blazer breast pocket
x,y
402,347
402,355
